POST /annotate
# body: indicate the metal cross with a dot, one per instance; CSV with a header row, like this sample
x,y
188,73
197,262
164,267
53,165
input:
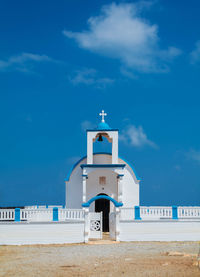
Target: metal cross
x,y
103,115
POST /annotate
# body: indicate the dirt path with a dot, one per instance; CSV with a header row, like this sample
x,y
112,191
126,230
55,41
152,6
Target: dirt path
x,y
138,259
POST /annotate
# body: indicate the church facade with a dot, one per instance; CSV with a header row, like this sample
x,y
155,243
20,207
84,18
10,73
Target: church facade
x,y
103,180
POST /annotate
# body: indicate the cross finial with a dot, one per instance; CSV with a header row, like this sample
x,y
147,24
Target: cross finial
x,y
103,115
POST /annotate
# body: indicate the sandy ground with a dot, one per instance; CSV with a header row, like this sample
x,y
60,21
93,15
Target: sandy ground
x,y
139,259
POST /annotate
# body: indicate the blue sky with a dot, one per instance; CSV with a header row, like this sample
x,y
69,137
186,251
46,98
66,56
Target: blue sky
x,y
62,62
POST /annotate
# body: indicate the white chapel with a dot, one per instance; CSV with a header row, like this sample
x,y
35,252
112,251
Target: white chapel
x,y
102,195
102,181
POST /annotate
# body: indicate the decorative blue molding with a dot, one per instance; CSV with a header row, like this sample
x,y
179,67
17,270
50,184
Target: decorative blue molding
x,y
17,214
132,167
174,212
99,153
120,175
102,165
117,204
85,175
47,206
137,213
100,130
55,214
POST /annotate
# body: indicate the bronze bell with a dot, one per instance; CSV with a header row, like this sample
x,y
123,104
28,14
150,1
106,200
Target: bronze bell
x,y
100,138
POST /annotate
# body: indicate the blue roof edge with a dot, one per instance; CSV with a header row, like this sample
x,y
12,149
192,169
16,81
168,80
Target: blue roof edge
x,y
97,130
102,165
99,153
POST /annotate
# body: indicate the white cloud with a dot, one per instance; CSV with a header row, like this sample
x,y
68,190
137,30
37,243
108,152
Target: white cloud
x,y
88,76
128,73
22,62
136,137
120,32
86,124
193,155
195,54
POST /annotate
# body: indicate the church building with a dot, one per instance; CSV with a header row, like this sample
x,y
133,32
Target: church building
x,y
102,181
102,195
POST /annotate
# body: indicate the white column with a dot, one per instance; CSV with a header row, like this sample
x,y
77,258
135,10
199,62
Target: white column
x,y
89,148
84,187
117,222
115,148
120,187
87,225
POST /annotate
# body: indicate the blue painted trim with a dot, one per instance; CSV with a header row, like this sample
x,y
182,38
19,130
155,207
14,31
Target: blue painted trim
x,y
17,214
47,206
84,175
99,153
132,167
137,213
174,212
55,214
117,204
102,165
100,130
120,175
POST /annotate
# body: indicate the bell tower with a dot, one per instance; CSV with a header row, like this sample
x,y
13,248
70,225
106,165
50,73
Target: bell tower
x,y
102,130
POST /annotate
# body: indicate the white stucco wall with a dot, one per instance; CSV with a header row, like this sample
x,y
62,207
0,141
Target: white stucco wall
x,y
102,159
159,231
41,233
74,187
131,188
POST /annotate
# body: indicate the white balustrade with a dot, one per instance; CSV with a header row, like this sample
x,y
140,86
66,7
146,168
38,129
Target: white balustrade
x,y
153,213
7,214
68,214
146,213
127,214
188,212
42,215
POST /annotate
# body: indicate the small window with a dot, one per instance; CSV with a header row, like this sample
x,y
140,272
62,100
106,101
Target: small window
x,y
102,180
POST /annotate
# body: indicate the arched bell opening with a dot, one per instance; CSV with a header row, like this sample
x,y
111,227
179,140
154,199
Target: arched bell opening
x,y
99,136
102,143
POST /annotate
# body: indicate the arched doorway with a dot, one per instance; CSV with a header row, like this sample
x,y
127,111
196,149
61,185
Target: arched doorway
x,y
103,205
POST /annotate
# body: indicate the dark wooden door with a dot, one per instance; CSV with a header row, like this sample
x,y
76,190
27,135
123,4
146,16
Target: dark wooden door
x,y
103,205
